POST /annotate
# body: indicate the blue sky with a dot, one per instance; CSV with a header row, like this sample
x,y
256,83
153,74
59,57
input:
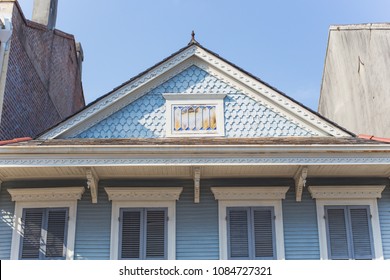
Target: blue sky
x,y
281,42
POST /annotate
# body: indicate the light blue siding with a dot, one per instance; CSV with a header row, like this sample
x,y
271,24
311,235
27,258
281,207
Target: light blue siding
x,y
300,227
197,233
6,224
384,217
93,228
145,117
197,226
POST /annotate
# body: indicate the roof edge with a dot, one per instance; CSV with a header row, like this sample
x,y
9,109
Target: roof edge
x,y
360,26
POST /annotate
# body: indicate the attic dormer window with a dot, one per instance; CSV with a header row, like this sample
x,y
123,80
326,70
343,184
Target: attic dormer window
x,y
194,114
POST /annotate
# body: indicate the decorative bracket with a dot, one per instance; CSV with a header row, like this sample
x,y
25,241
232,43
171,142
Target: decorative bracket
x,y
196,177
300,182
92,183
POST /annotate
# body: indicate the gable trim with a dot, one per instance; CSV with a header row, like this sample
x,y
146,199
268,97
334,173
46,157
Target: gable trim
x,y
216,66
255,88
127,93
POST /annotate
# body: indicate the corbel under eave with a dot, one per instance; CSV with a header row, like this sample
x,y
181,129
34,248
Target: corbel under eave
x,y
300,182
196,177
92,183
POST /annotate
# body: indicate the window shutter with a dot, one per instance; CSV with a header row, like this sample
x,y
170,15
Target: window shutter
x,y
130,235
349,232
263,233
32,228
238,233
57,221
361,233
155,234
338,245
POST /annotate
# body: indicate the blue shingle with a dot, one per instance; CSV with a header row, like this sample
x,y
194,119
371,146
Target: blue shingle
x,y
145,117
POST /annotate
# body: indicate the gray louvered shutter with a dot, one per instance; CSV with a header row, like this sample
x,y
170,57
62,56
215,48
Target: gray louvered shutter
x,y
57,222
130,245
238,237
156,234
338,243
361,233
32,232
264,240
349,232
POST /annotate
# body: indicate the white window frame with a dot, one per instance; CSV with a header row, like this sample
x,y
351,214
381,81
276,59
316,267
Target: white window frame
x,y
250,197
136,197
214,99
45,198
348,196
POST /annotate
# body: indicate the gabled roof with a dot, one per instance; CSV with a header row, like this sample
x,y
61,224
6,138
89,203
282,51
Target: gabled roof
x,y
195,54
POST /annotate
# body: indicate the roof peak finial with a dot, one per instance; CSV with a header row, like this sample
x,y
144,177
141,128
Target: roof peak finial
x,y
193,41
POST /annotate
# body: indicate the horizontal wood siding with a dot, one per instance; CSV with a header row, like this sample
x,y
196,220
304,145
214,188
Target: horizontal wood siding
x,y
93,228
384,217
300,227
6,224
197,226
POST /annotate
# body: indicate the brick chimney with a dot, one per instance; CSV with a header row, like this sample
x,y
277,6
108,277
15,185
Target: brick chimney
x,y
45,12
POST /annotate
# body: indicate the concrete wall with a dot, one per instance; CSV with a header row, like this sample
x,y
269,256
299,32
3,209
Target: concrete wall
x,y
356,85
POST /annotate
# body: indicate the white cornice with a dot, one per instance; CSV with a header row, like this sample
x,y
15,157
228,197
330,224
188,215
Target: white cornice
x,y
249,193
143,194
46,194
346,192
197,156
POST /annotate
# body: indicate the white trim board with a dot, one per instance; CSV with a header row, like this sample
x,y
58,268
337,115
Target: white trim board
x,y
173,99
376,232
344,196
45,198
237,197
157,200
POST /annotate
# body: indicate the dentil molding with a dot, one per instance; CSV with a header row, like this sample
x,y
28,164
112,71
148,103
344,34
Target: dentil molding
x,y
346,192
139,193
249,193
46,194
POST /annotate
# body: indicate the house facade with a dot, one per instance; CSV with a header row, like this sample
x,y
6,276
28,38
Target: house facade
x,y
195,158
